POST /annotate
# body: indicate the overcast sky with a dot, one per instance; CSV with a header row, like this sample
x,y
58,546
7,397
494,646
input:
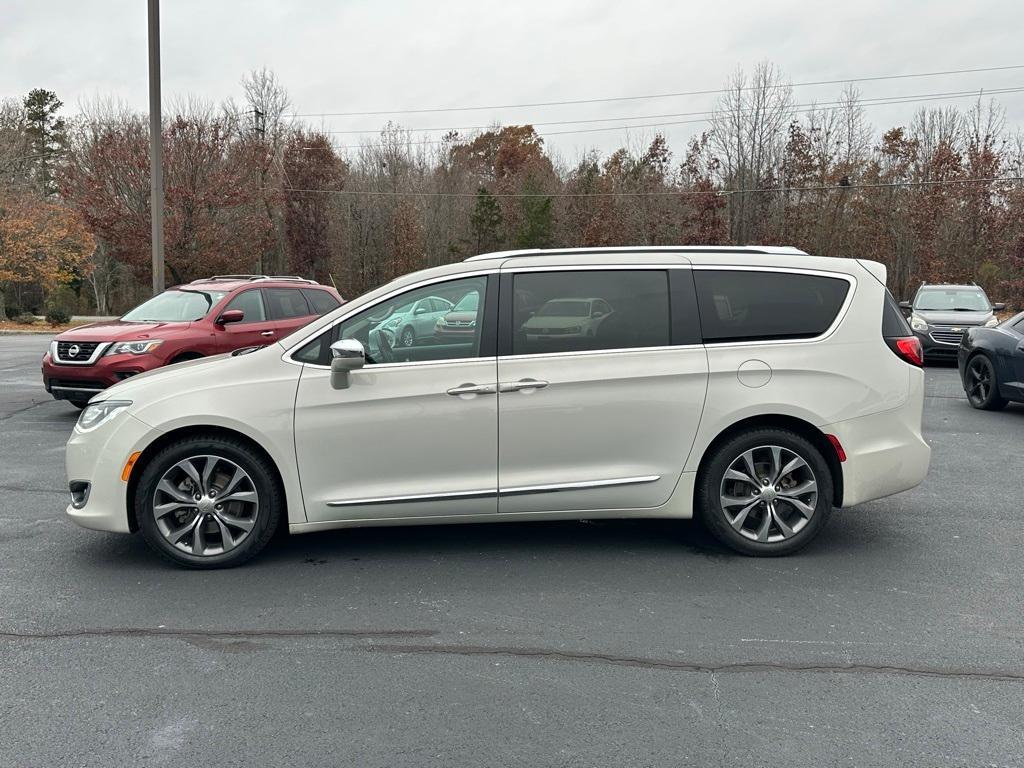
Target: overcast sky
x,y
360,55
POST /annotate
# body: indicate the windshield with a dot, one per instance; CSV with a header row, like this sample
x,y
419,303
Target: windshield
x,y
468,303
952,300
564,309
178,306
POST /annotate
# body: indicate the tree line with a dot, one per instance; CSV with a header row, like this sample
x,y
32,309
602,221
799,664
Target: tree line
x,y
250,189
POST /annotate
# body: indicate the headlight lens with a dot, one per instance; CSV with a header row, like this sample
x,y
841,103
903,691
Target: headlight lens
x,y
134,347
918,323
992,321
95,414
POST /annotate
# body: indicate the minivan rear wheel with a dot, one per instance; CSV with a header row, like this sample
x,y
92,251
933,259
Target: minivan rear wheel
x,y
208,502
765,492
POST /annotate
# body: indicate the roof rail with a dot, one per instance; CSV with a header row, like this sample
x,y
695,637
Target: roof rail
x,y
775,249
253,278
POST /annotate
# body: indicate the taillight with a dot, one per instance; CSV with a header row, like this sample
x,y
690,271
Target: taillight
x,y
907,348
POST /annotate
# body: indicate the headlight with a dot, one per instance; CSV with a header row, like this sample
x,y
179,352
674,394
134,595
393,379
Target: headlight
x,y
918,323
134,347
95,414
992,321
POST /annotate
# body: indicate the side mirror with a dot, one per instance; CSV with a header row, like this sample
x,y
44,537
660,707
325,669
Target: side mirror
x,y
347,355
231,316
420,311
597,313
998,306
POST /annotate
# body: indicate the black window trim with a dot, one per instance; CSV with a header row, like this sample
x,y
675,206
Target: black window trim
x,y
836,322
679,338
309,302
488,333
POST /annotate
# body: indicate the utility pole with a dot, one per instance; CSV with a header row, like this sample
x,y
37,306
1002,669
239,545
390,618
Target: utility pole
x,y
156,160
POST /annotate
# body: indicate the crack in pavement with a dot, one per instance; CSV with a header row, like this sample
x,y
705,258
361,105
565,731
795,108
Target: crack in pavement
x,y
148,632
12,414
22,489
686,666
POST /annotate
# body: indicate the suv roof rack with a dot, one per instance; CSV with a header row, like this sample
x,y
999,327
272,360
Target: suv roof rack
x,y
776,249
253,278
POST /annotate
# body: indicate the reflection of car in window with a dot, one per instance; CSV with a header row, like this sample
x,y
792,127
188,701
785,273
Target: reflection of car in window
x,y
460,322
567,317
412,323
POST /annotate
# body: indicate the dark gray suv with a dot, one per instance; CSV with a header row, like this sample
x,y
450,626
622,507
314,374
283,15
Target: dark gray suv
x,y
941,314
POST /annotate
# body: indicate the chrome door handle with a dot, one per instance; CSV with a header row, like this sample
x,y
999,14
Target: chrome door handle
x,y
473,389
522,385
266,333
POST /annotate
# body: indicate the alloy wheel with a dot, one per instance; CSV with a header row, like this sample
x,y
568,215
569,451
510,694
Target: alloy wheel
x,y
768,493
205,505
979,380
408,337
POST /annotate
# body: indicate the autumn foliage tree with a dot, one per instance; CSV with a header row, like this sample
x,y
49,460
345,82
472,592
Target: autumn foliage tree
x,y
40,242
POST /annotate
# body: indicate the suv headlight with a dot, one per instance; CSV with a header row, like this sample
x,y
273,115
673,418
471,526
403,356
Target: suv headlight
x,y
134,347
95,414
918,323
992,321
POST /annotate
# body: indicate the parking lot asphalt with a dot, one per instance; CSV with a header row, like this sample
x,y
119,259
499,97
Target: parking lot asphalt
x,y
896,638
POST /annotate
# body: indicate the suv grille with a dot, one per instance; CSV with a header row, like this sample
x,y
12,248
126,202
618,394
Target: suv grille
x,y
947,337
75,351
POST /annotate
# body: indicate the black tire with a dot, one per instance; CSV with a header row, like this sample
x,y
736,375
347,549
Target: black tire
x,y
710,484
260,474
981,385
408,337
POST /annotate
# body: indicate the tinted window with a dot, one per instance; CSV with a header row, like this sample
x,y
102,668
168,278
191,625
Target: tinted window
x,y
384,328
251,303
756,305
585,310
894,324
322,302
283,303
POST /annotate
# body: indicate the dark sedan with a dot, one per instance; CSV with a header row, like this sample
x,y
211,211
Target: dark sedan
x,y
991,362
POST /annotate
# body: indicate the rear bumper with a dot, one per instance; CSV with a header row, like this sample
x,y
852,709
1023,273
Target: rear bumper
x,y
885,452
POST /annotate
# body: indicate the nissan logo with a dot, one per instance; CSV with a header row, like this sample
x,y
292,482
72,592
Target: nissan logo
x,y
73,350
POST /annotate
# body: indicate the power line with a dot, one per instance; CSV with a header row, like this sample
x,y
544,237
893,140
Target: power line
x,y
809,105
705,92
876,103
671,193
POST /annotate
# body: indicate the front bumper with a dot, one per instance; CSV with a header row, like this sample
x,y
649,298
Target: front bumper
x,y
79,383
97,458
940,347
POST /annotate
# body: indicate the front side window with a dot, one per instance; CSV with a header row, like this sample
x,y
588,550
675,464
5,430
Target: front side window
x,y
951,300
556,312
176,306
251,304
760,305
419,325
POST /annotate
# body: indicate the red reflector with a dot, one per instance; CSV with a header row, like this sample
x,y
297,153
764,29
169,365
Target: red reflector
x,y
910,348
838,446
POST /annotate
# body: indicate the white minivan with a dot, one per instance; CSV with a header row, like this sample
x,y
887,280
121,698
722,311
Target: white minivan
x,y
755,387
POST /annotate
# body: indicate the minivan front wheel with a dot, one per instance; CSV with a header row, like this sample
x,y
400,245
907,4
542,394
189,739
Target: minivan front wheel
x,y
765,492
208,502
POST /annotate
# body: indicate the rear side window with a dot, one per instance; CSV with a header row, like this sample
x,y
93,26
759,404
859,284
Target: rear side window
x,y
757,305
251,304
558,312
283,303
894,325
322,302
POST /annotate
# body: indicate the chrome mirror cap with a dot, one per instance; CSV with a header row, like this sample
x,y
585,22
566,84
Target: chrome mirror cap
x,y
346,355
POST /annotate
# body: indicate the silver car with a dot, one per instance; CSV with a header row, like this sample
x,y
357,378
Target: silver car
x,y
414,321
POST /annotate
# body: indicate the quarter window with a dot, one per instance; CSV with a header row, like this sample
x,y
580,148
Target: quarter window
x,y
757,305
585,310
322,302
392,331
251,304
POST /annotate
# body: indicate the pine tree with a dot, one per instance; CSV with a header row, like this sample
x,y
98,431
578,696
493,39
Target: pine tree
x,y
486,222
46,133
537,218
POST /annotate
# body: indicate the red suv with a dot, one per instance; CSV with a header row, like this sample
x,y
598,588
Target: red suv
x,y
204,317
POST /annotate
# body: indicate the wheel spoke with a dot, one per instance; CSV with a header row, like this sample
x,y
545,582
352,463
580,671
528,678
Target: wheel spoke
x,y
737,501
779,522
167,487
162,510
179,534
808,486
734,474
211,463
766,523
235,522
794,464
199,537
741,516
189,469
227,540
248,497
802,507
235,480
776,466
748,460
